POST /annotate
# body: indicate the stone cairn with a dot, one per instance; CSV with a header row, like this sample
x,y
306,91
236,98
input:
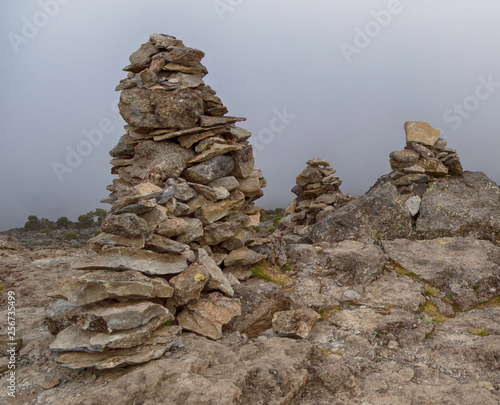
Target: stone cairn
x,y
182,212
424,158
318,195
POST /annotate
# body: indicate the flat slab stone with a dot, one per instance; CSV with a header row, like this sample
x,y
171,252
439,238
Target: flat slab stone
x,y
73,339
108,317
99,285
160,342
146,262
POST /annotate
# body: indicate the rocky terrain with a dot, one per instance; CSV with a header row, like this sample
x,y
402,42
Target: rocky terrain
x,y
190,296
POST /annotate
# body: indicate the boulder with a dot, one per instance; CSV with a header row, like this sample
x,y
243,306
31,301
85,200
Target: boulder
x,y
379,214
467,270
461,206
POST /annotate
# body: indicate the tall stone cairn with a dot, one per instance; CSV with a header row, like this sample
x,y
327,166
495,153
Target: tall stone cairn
x,y
424,158
182,209
318,194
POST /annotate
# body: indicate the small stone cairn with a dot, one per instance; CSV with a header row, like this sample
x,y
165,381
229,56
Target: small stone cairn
x,y
424,159
318,195
182,211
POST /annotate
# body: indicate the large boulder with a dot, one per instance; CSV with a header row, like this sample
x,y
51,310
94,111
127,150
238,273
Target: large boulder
x,y
377,215
467,270
467,205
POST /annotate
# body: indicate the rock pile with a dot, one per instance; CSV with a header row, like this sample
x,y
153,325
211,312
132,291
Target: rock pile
x,y
182,210
318,195
424,158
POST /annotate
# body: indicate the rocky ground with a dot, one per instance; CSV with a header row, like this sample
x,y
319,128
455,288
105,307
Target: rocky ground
x,y
402,322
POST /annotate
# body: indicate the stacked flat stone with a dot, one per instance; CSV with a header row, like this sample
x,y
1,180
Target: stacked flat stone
x,y
318,195
424,158
182,210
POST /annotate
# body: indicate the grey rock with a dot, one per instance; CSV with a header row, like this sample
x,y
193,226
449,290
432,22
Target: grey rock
x,y
129,225
461,206
413,204
229,183
210,170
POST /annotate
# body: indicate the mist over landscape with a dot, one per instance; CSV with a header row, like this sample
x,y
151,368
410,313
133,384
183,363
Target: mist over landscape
x,y
325,79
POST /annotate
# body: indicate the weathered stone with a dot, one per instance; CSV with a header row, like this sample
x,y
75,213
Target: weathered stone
x,y
128,225
173,227
189,284
160,342
243,162
197,134
243,256
239,134
102,284
108,317
208,121
183,80
413,204
139,208
162,41
418,131
422,150
440,144
155,217
379,214
467,269
217,280
213,211
175,67
412,178
250,186
147,110
166,195
136,260
206,143
308,176
317,162
161,244
218,232
108,240
241,238
194,231
405,156
182,191
434,167
160,159
461,206
207,315
216,149
185,56
141,58
260,300
229,183
210,170
77,340
206,191
415,169
221,193
295,323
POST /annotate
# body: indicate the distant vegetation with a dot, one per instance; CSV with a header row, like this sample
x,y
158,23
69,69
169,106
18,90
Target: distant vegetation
x,y
88,220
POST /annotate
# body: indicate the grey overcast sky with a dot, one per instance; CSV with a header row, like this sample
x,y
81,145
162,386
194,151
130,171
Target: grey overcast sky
x,y
349,72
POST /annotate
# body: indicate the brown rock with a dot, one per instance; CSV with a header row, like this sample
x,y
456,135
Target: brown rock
x,y
217,280
194,231
243,257
189,284
296,323
128,225
308,176
172,227
418,131
210,170
207,315
243,162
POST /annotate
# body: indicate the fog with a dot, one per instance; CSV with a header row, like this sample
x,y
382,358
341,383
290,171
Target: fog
x,y
343,77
